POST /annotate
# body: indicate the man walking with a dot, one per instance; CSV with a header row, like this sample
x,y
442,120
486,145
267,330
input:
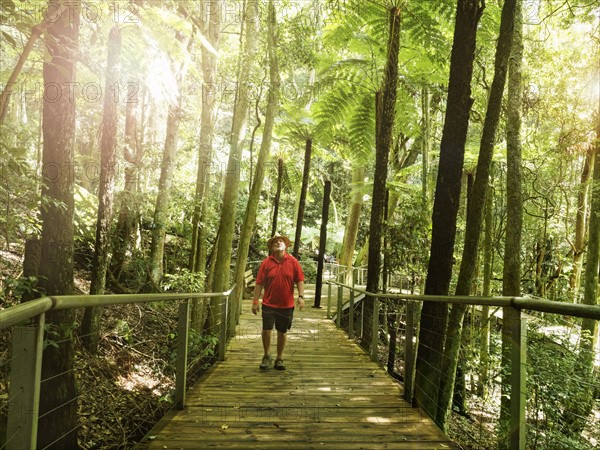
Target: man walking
x,y
277,274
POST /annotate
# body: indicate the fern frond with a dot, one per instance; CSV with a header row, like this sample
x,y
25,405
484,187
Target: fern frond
x,y
361,128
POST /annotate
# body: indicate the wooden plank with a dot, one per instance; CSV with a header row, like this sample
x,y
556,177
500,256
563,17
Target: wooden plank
x,y
250,443
332,396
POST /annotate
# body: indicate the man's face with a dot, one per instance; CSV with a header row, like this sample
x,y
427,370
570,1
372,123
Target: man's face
x,y
278,244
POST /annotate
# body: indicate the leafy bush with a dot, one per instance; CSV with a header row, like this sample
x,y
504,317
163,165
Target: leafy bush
x,y
184,281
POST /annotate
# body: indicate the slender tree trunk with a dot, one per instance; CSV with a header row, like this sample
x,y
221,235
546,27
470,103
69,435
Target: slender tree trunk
x,y
277,195
581,402
128,211
161,211
36,32
212,260
351,232
211,27
90,327
232,180
322,242
57,428
426,131
511,282
580,223
261,163
302,202
446,203
475,213
385,114
484,336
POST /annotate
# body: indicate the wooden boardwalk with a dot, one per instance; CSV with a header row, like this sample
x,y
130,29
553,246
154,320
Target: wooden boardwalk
x,y
332,396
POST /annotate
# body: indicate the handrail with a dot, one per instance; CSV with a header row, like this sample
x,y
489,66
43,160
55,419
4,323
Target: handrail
x,y
26,373
28,310
541,305
517,331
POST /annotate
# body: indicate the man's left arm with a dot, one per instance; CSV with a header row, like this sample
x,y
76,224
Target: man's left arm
x,y
300,285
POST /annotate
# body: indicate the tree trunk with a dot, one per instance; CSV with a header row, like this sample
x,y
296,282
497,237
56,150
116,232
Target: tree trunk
x,y
161,210
128,211
446,203
426,132
475,212
511,278
277,196
353,222
581,401
90,327
228,212
57,428
580,223
384,126
302,202
261,163
484,336
322,243
211,28
36,32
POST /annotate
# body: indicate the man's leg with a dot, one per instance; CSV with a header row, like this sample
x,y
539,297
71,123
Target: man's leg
x,y
268,321
282,324
281,337
266,341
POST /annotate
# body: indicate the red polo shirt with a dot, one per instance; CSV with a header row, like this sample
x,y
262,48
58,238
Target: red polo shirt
x,y
278,279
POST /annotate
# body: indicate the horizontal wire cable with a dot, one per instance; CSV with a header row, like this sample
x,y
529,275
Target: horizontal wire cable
x,y
75,369
68,402
9,440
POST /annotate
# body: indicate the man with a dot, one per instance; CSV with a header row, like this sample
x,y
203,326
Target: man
x,y
277,273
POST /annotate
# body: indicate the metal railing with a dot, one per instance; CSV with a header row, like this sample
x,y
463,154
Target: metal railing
x,y
347,306
27,321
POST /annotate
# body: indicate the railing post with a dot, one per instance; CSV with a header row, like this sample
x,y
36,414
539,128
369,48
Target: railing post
x,y
409,356
518,377
351,315
25,374
329,300
223,337
183,327
375,329
338,318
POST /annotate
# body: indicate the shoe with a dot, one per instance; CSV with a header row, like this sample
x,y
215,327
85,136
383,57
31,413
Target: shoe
x,y
266,361
279,364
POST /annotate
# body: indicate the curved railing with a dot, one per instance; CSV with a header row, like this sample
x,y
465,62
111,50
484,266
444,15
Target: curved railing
x,y
402,311
27,320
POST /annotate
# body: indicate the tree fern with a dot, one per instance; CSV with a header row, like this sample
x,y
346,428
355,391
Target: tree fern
x,y
362,128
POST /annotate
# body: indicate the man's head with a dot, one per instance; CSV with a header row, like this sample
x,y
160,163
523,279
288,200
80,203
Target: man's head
x,y
278,242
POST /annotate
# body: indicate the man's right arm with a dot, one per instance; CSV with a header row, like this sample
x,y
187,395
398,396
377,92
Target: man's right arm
x,y
256,297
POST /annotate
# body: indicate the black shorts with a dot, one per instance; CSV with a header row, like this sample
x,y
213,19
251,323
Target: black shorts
x,y
281,317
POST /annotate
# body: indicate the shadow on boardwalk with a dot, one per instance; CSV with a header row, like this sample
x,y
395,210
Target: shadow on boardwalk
x,y
332,396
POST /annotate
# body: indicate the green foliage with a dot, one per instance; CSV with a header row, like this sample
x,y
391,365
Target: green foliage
x,y
200,346
13,289
552,384
18,195
184,281
309,268
408,247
